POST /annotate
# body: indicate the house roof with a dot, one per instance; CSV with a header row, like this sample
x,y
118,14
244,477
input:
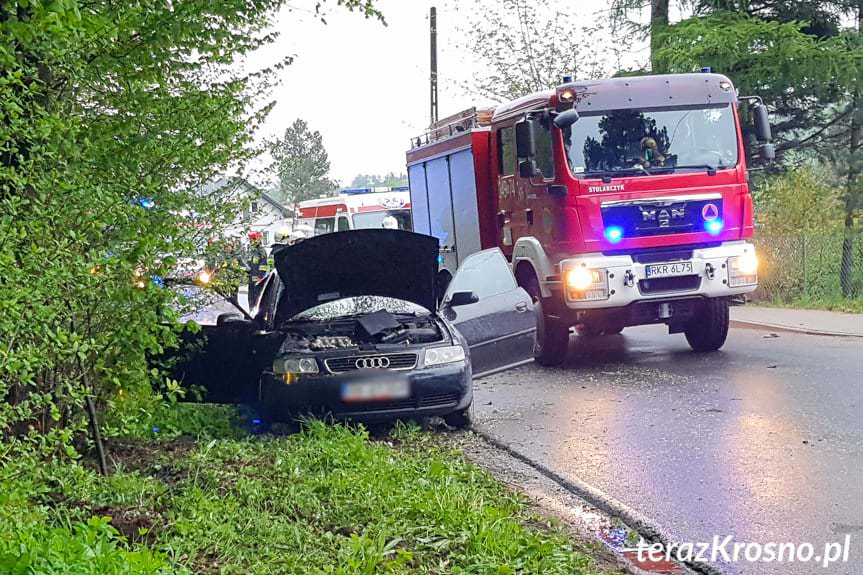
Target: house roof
x,y
243,186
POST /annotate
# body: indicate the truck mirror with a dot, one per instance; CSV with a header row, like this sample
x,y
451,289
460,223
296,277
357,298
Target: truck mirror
x,y
762,123
525,146
566,118
767,152
527,169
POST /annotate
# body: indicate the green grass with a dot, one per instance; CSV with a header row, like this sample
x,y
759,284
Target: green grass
x,y
836,303
327,500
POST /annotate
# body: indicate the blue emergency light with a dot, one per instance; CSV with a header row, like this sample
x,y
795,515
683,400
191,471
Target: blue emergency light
x,y
714,226
352,191
145,203
706,70
614,234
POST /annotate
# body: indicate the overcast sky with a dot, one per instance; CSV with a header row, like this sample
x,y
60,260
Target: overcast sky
x,y
364,85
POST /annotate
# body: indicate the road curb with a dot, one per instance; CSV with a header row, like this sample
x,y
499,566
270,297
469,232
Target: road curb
x,y
598,499
764,326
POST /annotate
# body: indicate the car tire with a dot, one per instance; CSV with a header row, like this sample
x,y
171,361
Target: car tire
x,y
552,336
460,419
707,330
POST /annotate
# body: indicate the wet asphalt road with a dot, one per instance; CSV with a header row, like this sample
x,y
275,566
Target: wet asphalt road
x,y
762,441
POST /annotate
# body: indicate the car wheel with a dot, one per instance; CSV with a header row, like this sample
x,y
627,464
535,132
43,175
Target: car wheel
x,y
707,330
552,336
458,419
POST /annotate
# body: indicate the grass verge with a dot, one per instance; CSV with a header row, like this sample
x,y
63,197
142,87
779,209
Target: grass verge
x,y
826,303
327,500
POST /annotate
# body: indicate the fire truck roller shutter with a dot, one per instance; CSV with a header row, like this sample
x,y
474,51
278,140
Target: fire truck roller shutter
x,y
440,210
419,198
464,203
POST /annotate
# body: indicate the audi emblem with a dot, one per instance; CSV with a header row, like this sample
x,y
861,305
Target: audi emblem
x,y
372,362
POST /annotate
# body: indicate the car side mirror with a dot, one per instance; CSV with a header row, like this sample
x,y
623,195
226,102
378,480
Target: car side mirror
x,y
462,298
525,146
762,123
566,118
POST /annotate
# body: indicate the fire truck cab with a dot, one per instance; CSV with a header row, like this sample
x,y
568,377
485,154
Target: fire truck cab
x,y
357,208
618,202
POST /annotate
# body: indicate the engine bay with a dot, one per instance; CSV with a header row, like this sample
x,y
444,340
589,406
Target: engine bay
x,y
366,331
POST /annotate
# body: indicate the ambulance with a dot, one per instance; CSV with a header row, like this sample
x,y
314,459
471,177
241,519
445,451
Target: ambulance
x,y
357,208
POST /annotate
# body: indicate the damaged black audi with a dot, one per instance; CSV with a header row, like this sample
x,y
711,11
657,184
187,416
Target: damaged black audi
x,y
350,325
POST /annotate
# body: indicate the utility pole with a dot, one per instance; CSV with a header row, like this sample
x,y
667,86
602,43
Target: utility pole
x,y
433,78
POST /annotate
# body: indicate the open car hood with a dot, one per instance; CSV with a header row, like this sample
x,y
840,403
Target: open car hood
x,y
378,262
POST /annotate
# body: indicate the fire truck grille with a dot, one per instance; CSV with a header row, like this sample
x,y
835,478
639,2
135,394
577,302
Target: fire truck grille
x,y
640,218
396,361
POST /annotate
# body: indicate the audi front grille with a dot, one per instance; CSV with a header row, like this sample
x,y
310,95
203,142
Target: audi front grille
x,y
396,361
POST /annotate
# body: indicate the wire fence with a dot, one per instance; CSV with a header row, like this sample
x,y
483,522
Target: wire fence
x,y
804,266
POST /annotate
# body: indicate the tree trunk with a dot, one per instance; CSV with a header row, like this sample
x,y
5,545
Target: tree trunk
x,y
846,269
658,23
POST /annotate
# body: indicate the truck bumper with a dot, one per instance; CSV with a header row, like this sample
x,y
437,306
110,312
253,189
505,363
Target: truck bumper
x,y
711,276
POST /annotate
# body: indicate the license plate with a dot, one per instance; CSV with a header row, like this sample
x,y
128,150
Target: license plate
x,y
668,270
375,390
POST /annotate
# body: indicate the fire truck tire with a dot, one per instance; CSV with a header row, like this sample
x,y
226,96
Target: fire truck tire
x,y
588,330
708,328
552,336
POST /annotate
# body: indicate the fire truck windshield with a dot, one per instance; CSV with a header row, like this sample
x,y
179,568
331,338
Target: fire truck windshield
x,y
640,142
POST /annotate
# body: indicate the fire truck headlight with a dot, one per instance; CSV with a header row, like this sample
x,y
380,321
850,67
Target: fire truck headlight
x,y
581,278
745,264
743,270
585,284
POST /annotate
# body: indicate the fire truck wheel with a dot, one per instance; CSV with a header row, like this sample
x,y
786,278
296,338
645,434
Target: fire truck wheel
x,y
588,330
708,328
552,336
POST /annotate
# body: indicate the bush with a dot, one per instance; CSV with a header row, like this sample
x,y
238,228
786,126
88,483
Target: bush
x,y
103,107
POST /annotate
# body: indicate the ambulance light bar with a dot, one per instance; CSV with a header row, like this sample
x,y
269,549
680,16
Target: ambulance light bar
x,y
355,191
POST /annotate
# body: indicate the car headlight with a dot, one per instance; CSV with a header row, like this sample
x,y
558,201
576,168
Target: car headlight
x,y
585,284
743,269
295,365
443,355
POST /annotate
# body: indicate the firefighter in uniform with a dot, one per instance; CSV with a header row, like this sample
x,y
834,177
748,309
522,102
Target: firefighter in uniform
x,y
257,266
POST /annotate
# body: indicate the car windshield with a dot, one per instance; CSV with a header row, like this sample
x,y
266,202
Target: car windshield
x,y
367,220
360,305
642,142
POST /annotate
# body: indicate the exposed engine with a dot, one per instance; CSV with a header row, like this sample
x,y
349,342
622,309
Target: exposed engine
x,y
380,327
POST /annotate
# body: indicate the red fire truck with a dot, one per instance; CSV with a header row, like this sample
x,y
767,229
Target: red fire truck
x,y
618,202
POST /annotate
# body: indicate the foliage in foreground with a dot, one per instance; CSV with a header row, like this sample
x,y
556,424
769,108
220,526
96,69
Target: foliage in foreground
x,y
112,114
324,501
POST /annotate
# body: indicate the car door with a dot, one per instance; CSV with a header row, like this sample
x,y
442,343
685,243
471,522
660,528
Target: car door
x,y
222,362
500,325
